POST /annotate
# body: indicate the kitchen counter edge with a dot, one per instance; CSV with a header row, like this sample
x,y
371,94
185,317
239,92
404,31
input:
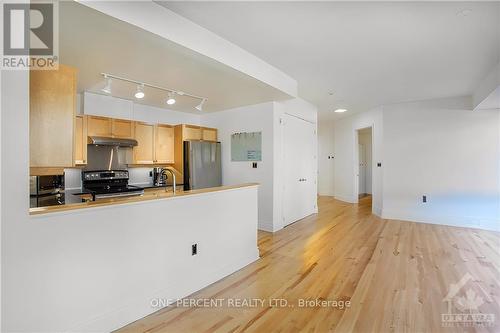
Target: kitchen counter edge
x,y
120,201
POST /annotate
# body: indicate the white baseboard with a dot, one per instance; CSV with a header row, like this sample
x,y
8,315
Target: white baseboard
x,y
346,199
377,211
140,308
266,226
454,221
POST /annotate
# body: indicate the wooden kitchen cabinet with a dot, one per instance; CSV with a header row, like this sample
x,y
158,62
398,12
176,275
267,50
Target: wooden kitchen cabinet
x,y
164,144
191,132
144,152
99,126
110,127
208,134
52,117
81,140
121,128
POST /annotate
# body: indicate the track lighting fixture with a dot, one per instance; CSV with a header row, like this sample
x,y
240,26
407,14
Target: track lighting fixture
x,y
171,99
107,86
140,91
199,107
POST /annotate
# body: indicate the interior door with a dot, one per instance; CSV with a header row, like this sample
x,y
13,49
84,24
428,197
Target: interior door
x,y
298,162
361,169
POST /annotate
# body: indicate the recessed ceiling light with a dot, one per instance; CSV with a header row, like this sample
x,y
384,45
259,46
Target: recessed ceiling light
x,y
340,110
140,91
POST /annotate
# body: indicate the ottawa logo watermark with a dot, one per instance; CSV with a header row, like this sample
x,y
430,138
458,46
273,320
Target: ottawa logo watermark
x,y
463,306
30,36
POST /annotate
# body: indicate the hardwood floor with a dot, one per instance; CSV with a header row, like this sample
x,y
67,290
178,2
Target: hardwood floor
x,y
395,274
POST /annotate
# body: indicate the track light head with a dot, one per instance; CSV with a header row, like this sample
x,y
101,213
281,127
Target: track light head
x,y
140,91
107,86
171,99
199,107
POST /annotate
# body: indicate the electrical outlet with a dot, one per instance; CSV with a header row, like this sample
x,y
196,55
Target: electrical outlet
x,y
379,164
194,249
254,165
424,198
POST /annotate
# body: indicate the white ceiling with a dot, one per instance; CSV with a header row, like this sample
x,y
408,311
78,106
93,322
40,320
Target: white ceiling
x,y
359,55
94,43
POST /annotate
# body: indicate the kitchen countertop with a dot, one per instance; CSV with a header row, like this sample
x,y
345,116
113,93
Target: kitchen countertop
x,y
150,193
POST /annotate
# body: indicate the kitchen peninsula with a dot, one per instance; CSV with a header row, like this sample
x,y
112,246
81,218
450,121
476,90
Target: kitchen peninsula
x,y
116,250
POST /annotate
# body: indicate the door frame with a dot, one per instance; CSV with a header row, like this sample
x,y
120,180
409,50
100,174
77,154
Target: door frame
x,y
355,183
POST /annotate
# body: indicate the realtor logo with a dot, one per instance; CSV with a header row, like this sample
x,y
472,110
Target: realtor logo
x,y
29,35
463,306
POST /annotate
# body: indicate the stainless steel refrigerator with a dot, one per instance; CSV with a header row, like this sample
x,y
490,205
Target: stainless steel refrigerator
x,y
202,165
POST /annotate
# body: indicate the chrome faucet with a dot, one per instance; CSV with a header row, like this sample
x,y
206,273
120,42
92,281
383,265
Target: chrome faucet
x,y
173,181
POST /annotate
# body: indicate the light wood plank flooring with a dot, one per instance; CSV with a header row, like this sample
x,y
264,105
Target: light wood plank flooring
x,y
396,275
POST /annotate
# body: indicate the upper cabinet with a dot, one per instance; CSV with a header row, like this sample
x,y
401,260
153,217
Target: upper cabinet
x,y
144,152
81,140
52,117
99,126
208,134
164,144
190,132
109,127
194,132
122,129
155,144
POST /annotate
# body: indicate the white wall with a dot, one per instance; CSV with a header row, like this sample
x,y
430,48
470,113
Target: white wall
x,y
97,269
326,157
438,148
264,117
442,150
346,141
254,118
366,140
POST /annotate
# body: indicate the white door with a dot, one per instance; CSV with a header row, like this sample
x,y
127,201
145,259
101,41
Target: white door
x,y
299,197
361,169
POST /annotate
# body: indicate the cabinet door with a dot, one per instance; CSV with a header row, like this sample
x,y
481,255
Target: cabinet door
x,y
191,133
99,126
164,146
122,128
81,140
52,117
145,136
208,134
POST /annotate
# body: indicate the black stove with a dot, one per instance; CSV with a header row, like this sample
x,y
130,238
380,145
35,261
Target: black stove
x,y
109,184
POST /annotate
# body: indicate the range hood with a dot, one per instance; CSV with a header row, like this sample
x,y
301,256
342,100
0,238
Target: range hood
x,y
106,141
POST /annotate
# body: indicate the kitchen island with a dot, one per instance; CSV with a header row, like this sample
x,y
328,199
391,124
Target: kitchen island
x,y
101,265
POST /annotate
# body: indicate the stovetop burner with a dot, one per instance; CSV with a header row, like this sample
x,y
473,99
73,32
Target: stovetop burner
x,y
109,184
